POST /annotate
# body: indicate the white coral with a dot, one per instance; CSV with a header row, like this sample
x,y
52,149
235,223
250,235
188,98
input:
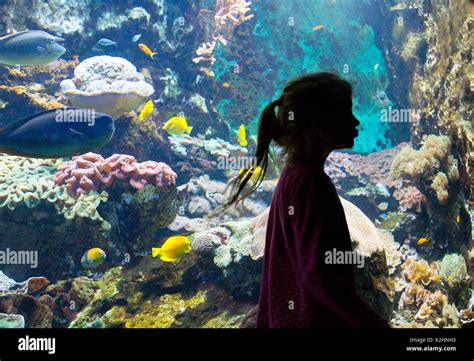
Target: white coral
x,y
110,85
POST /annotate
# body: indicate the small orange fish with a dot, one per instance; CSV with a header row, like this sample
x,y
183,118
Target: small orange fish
x,y
147,50
75,58
226,85
318,27
422,241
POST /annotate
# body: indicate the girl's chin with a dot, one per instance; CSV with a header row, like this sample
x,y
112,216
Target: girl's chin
x,y
347,144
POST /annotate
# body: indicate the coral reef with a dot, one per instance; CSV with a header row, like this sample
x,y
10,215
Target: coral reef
x,y
420,272
18,309
430,178
409,197
147,295
31,285
30,89
28,181
60,17
420,165
107,84
91,171
454,274
29,195
423,301
205,195
11,321
228,15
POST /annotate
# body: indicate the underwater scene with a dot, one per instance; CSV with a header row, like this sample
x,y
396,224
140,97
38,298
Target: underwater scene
x,y
122,123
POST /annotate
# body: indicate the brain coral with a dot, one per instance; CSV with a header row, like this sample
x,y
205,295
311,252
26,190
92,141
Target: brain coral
x,y
107,84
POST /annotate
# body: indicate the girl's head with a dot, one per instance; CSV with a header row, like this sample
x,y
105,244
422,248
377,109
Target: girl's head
x,y
312,117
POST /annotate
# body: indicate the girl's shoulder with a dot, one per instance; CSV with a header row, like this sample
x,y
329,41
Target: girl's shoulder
x,y
303,179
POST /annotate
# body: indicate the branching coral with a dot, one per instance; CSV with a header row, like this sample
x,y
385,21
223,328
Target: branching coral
x,y
228,15
90,171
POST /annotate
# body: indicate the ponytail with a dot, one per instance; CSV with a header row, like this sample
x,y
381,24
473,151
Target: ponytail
x,y
268,129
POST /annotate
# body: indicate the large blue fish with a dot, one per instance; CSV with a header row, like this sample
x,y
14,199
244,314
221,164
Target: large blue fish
x,y
29,48
57,133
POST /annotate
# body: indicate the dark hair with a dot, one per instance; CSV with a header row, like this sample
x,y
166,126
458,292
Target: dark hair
x,y
301,109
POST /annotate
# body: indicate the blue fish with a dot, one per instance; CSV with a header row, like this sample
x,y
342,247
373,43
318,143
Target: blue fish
x,y
136,37
107,42
30,48
57,133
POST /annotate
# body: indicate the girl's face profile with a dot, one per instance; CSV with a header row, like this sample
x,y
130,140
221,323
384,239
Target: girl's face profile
x,y
340,130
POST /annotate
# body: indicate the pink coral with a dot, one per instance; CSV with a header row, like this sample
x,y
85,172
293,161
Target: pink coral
x,y
409,197
374,167
90,171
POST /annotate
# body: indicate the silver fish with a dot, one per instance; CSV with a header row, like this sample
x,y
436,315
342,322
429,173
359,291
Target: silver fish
x,y
136,37
30,48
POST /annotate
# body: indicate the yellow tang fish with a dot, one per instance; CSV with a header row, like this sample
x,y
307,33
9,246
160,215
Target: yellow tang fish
x,y
147,110
173,249
450,278
241,136
177,126
147,50
458,218
226,85
422,241
255,175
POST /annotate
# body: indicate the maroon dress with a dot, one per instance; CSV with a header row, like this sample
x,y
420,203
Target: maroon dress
x,y
298,288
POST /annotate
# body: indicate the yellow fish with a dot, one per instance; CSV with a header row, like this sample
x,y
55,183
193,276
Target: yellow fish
x,y
226,85
173,249
255,175
146,50
241,136
93,258
147,110
318,27
450,278
422,241
177,126
458,218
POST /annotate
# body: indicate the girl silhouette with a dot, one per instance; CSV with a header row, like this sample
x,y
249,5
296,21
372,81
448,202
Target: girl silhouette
x,y
312,117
